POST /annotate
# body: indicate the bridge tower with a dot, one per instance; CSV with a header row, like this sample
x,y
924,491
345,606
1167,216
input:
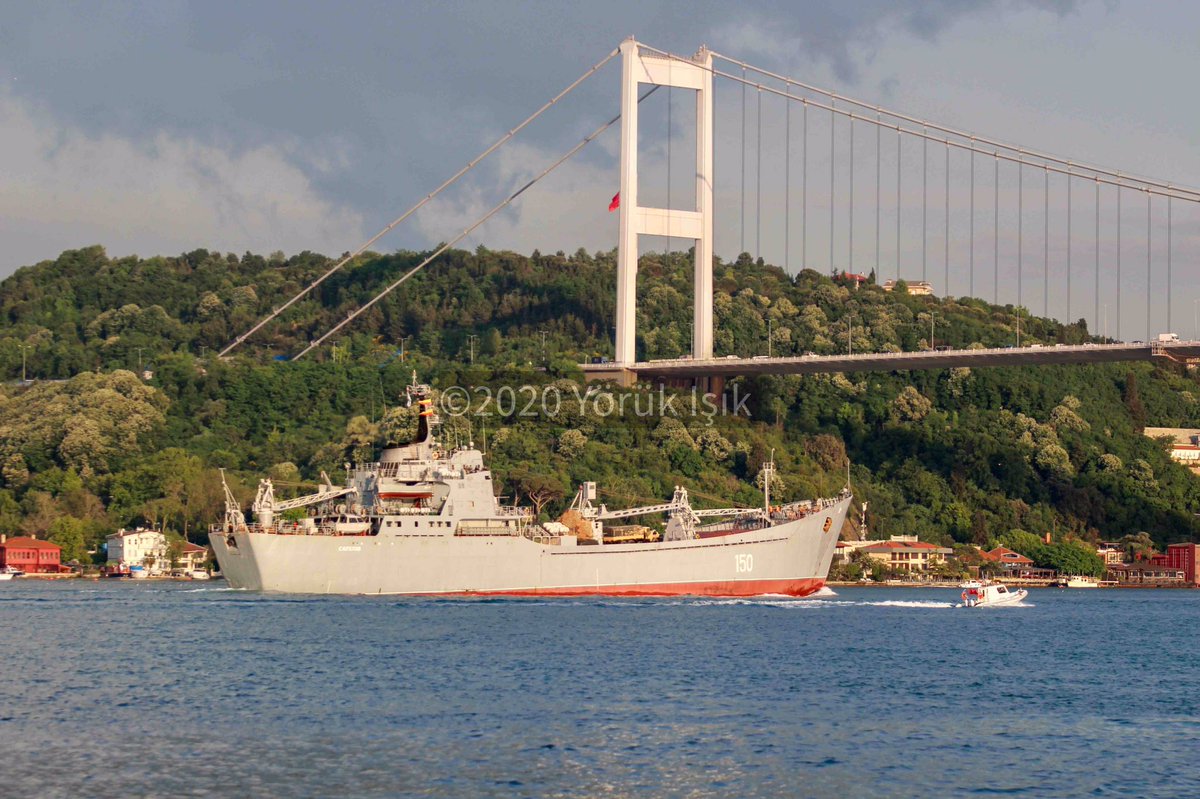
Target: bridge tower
x,y
643,66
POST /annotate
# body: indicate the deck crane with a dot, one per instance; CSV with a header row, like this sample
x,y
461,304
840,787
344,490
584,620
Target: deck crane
x,y
265,505
683,518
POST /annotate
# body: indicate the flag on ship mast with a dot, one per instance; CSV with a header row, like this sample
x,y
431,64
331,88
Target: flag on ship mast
x,y
616,202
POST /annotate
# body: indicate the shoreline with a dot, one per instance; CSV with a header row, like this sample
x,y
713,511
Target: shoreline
x,y
100,577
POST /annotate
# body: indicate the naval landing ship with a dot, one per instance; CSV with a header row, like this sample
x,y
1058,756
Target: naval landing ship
x,y
425,520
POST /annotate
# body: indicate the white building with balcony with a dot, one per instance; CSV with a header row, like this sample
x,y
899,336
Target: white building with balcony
x,y
139,547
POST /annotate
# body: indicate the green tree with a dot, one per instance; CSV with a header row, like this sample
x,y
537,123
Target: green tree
x,y
490,344
70,534
539,488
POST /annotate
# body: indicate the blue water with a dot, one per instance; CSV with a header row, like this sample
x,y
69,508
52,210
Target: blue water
x,y
170,689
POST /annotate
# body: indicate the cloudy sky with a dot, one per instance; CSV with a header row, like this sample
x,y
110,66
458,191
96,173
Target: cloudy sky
x,y
164,126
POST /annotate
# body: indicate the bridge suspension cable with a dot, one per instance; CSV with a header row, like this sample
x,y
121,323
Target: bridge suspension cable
x,y
423,202
804,192
758,180
1005,152
1119,259
1098,252
787,188
832,183
925,208
899,204
850,254
946,254
468,230
1169,284
946,129
1046,245
996,233
1069,187
1149,273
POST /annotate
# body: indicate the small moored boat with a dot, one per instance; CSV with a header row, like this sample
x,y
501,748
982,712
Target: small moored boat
x,y
983,594
9,572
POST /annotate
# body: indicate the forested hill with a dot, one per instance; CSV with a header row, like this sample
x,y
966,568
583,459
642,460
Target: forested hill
x,y
955,456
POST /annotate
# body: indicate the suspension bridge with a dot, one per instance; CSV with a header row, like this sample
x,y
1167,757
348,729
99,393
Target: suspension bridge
x,y
853,186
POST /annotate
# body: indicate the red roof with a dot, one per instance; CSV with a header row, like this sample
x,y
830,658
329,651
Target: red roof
x,y
881,545
29,543
190,547
1006,555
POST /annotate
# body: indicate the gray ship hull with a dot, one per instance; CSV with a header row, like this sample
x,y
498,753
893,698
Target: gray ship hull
x,y
790,558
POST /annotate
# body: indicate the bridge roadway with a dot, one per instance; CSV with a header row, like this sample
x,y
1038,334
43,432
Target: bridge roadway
x,y
730,366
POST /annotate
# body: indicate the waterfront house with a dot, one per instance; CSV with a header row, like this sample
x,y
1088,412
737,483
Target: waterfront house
x,y
193,557
1007,557
138,547
1111,552
906,553
1016,566
31,555
844,549
1147,574
1183,557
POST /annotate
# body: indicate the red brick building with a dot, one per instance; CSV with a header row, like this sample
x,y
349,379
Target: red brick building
x,y
31,555
1184,557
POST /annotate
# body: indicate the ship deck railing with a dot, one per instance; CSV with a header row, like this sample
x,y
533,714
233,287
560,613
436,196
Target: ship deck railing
x,y
325,530
395,509
494,530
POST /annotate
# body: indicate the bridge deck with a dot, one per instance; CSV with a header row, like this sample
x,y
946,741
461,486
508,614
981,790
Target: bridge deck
x,y
1184,352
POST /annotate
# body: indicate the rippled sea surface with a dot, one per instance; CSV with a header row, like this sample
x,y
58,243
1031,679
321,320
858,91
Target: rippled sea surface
x,y
187,689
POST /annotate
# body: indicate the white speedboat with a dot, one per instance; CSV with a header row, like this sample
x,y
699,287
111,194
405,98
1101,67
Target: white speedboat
x,y
985,594
9,572
198,574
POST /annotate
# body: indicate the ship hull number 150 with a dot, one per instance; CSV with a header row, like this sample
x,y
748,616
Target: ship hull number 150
x,y
743,563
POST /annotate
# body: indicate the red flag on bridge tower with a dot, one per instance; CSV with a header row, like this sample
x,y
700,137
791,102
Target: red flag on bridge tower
x,y
616,202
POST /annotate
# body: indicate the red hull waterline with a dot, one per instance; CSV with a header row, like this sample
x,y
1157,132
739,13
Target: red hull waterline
x,y
731,588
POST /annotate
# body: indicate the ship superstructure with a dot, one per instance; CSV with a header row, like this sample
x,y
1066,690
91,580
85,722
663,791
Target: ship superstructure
x,y
426,520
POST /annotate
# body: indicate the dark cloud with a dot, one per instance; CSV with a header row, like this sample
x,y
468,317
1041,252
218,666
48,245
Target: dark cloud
x,y
397,94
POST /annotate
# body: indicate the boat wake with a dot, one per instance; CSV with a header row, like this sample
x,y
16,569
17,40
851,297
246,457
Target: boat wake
x,y
1001,607
817,601
909,603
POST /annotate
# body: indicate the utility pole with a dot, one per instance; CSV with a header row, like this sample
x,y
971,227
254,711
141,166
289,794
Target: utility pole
x,y
932,315
1106,323
768,337
24,348
139,352
471,339
543,332
849,335
406,338
1019,326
